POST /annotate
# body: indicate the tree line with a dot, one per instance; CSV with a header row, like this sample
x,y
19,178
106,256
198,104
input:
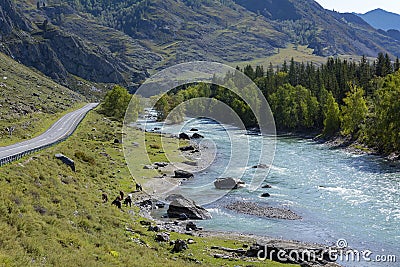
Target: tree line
x,y
358,100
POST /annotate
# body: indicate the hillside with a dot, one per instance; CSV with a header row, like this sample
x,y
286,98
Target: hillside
x,y
29,101
382,19
45,39
327,32
122,42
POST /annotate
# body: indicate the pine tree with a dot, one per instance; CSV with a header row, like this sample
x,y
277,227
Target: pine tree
x,y
249,71
259,72
397,65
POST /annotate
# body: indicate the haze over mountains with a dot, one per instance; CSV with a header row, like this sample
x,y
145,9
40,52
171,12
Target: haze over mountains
x,y
382,19
120,41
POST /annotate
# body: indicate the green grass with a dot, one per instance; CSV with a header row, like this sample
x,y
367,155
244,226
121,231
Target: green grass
x,y
299,54
52,216
30,101
159,148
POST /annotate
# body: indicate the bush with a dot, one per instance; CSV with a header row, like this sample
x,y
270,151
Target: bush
x,y
84,157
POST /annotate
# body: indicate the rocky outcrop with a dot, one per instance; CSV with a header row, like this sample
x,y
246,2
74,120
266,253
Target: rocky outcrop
x,y
11,19
180,205
228,183
61,54
78,59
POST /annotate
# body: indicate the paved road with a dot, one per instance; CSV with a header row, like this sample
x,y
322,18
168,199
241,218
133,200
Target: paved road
x,y
60,130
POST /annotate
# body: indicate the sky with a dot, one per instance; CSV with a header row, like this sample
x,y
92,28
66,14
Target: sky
x,y
361,6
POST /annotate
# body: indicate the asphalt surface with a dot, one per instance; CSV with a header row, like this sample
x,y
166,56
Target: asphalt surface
x,y
60,130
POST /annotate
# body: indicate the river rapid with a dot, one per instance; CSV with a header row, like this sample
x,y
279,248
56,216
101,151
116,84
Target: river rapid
x,y
338,194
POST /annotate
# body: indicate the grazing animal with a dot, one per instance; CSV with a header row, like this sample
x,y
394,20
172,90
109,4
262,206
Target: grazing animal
x,y
128,200
139,187
104,197
117,202
121,193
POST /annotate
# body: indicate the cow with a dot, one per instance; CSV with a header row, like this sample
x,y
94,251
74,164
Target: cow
x,y
139,187
104,197
117,202
128,201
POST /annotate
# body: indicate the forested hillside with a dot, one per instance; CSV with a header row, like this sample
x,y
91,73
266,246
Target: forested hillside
x,y
357,100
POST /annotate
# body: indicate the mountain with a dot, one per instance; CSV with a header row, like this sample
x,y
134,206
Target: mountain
x,y
327,32
236,30
382,19
122,41
38,37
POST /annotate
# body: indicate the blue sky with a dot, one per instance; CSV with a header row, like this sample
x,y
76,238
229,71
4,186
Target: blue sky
x,y
361,6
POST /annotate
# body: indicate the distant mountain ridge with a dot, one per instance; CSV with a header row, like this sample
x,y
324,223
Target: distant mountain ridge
x,y
382,19
121,41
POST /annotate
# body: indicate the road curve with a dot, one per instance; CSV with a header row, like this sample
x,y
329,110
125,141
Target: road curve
x,y
58,132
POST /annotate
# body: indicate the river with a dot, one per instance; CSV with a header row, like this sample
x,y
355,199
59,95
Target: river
x,y
338,194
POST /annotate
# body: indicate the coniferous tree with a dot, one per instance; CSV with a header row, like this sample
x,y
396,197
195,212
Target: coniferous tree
x,y
397,64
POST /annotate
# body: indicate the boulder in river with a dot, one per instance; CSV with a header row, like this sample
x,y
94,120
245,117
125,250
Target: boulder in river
x,y
183,174
266,186
261,166
265,195
181,205
197,136
184,136
194,130
228,183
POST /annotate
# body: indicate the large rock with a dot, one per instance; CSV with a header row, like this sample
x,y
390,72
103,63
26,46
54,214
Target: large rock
x,y
187,148
183,174
179,245
184,136
261,166
228,183
66,161
197,136
162,237
180,205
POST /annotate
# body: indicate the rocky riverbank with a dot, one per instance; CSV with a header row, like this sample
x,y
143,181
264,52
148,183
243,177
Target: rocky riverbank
x,y
198,158
254,247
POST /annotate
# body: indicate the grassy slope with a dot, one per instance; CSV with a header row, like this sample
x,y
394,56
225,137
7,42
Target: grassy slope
x,y
30,101
50,215
298,53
